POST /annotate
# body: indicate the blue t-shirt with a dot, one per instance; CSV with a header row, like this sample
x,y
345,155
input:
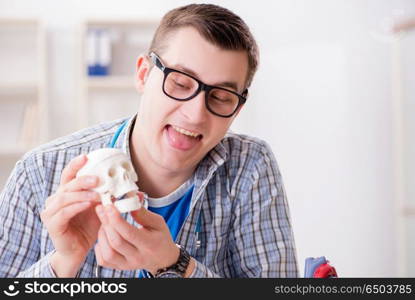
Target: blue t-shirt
x,y
174,213
174,208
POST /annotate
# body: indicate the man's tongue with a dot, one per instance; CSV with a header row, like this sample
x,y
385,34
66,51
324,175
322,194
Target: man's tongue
x,y
179,140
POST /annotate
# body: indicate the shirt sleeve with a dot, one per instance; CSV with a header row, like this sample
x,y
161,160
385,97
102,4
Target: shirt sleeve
x,y
21,228
262,242
202,271
40,269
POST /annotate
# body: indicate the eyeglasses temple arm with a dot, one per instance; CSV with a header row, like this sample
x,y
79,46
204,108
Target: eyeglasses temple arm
x,y
156,60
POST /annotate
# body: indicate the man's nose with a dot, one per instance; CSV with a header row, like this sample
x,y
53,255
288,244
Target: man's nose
x,y
195,109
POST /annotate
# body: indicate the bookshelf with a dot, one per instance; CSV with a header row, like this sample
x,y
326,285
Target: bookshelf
x,y
113,95
23,105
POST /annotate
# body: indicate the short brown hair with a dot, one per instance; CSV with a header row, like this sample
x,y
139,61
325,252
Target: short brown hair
x,y
217,25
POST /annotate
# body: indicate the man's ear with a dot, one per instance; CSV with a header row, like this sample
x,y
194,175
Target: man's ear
x,y
143,70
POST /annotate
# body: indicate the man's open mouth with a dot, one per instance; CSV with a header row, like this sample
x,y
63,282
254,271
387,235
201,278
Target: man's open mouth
x,y
182,139
185,132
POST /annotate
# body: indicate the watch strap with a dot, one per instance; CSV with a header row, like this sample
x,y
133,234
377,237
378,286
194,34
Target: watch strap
x,y
179,267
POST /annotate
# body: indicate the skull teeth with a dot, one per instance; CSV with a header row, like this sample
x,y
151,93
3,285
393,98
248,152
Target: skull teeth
x,y
186,132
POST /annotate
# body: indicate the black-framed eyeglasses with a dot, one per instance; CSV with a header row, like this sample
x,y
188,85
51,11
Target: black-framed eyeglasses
x,y
183,87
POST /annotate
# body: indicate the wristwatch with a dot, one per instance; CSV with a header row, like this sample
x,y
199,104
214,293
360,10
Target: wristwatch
x,y
176,270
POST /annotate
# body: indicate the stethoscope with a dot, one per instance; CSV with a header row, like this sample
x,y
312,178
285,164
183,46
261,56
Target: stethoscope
x,y
111,144
114,138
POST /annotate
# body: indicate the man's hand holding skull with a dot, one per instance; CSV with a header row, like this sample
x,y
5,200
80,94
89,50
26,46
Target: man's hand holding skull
x,y
74,228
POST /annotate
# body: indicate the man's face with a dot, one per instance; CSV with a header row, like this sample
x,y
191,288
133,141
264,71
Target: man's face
x,y
176,135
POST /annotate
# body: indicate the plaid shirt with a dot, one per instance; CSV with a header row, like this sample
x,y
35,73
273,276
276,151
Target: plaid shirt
x,y
245,228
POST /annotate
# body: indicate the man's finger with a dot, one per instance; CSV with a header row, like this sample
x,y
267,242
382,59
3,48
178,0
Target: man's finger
x,y
100,259
69,172
108,253
60,220
117,242
129,232
81,183
148,219
66,199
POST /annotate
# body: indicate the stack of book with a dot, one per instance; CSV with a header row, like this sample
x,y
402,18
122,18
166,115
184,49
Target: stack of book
x,y
98,52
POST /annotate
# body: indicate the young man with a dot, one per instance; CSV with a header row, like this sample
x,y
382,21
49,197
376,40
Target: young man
x,y
217,206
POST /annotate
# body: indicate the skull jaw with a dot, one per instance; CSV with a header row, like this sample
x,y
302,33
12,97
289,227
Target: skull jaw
x,y
108,194
128,204
124,205
125,188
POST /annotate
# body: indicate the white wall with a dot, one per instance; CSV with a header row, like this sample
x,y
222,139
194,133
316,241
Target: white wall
x,y
322,99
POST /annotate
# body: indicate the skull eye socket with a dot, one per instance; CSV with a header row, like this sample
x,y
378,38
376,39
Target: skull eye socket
x,y
111,172
126,166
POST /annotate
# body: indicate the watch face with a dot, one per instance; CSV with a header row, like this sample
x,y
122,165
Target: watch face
x,y
169,274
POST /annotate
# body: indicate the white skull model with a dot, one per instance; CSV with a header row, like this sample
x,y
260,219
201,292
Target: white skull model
x,y
116,178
